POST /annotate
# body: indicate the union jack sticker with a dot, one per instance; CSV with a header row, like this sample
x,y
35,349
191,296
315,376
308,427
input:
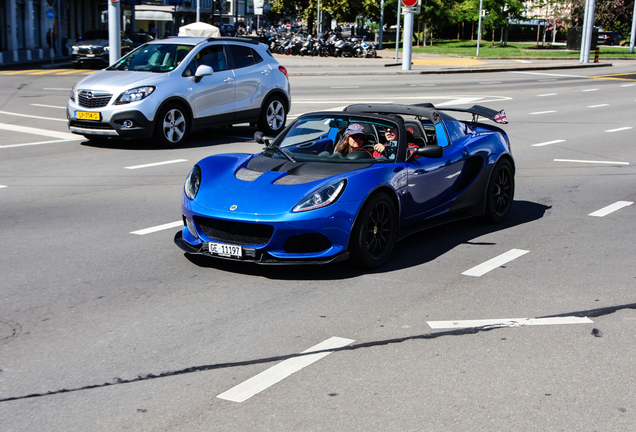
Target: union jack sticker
x,y
500,117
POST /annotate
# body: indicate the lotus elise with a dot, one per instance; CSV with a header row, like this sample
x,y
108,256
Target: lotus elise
x,y
332,186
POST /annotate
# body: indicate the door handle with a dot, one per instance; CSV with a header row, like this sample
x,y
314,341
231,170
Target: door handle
x,y
265,72
227,80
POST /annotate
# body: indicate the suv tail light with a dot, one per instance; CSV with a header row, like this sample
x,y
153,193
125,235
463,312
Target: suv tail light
x,y
283,70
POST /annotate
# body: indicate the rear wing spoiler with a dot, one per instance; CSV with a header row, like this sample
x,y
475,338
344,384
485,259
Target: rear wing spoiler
x,y
476,110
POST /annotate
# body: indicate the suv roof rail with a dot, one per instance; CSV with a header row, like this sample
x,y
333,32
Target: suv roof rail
x,y
234,39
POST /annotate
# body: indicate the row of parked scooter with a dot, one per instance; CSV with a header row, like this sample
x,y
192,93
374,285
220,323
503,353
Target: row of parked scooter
x,y
331,44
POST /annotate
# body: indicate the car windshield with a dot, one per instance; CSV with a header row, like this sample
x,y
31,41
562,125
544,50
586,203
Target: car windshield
x,y
153,58
325,138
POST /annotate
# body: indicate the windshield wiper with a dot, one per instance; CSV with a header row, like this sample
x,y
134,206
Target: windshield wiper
x,y
280,151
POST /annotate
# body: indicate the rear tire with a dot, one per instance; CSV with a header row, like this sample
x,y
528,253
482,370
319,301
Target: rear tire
x,y
273,116
500,192
374,233
171,126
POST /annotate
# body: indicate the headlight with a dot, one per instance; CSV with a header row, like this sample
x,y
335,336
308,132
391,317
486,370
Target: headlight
x,y
107,49
72,96
75,50
192,183
322,197
134,95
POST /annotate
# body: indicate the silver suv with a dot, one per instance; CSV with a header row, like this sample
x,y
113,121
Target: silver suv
x,y
167,88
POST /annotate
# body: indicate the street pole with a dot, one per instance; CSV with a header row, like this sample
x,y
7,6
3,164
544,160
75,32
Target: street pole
x,y
481,2
584,33
114,36
382,23
198,11
589,25
318,26
407,44
632,39
397,31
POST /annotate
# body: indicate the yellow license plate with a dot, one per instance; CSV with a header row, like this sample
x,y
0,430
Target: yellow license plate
x,y
83,115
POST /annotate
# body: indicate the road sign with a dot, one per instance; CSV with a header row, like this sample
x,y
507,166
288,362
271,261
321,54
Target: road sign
x,y
409,3
50,14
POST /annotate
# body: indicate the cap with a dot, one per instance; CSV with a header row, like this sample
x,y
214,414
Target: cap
x,y
354,129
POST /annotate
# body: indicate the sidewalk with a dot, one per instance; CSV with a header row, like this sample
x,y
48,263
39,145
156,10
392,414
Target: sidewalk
x,y
385,64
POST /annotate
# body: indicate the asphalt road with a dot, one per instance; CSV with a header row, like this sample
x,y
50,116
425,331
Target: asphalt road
x,y
104,327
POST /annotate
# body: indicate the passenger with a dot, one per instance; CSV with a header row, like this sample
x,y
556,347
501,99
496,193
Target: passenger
x,y
353,140
389,148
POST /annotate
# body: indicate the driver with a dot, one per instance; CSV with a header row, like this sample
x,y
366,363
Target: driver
x,y
353,140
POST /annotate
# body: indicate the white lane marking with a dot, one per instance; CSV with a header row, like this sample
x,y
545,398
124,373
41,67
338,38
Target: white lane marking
x,y
523,61
547,143
345,87
57,88
49,106
590,90
547,94
596,106
32,116
542,112
42,132
619,129
508,322
454,175
155,164
611,208
628,85
593,162
3,186
547,80
277,373
549,74
158,228
40,143
492,264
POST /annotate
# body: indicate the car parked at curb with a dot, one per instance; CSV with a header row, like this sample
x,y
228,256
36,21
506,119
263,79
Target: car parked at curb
x,y
304,200
609,38
167,88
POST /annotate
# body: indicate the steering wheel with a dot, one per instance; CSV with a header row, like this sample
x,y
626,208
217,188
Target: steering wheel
x,y
359,154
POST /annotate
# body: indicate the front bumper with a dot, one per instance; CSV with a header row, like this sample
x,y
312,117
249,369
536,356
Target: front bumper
x,y
116,126
256,256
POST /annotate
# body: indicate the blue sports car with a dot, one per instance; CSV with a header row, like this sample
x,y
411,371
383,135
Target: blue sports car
x,y
348,184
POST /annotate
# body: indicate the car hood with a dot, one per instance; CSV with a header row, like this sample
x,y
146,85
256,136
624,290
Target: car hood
x,y
230,185
120,80
93,42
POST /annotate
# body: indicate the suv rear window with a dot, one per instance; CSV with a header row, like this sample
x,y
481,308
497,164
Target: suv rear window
x,y
244,56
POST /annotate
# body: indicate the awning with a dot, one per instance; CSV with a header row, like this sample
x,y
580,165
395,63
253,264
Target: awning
x,y
154,13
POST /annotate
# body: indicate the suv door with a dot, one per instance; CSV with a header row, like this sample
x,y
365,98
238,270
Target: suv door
x,y
252,75
213,96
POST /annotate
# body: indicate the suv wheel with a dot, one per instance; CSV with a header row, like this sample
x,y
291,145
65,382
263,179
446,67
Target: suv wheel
x,y
273,116
171,126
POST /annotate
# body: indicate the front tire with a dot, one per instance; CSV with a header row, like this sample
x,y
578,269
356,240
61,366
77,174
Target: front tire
x,y
273,116
374,233
171,126
500,192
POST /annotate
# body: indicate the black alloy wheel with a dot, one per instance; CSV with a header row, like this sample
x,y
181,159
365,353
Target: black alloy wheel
x,y
374,233
500,192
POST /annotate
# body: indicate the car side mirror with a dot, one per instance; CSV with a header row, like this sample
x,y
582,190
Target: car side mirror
x,y
202,71
430,151
260,138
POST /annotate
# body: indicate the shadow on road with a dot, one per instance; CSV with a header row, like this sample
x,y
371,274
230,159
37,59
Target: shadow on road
x,y
416,249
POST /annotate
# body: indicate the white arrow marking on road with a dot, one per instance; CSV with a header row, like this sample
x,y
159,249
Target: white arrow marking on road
x,y
277,373
158,228
611,208
508,322
492,264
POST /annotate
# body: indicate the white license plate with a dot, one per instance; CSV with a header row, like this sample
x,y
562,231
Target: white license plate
x,y
225,250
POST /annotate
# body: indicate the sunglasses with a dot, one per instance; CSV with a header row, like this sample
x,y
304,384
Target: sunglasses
x,y
357,137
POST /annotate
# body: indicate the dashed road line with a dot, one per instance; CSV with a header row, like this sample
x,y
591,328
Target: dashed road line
x,y
542,112
597,106
508,322
32,116
49,106
158,228
611,208
589,90
547,94
494,263
275,374
41,142
591,162
155,164
3,186
619,129
548,143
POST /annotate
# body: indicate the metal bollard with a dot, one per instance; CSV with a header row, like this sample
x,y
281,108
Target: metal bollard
x,y
596,52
